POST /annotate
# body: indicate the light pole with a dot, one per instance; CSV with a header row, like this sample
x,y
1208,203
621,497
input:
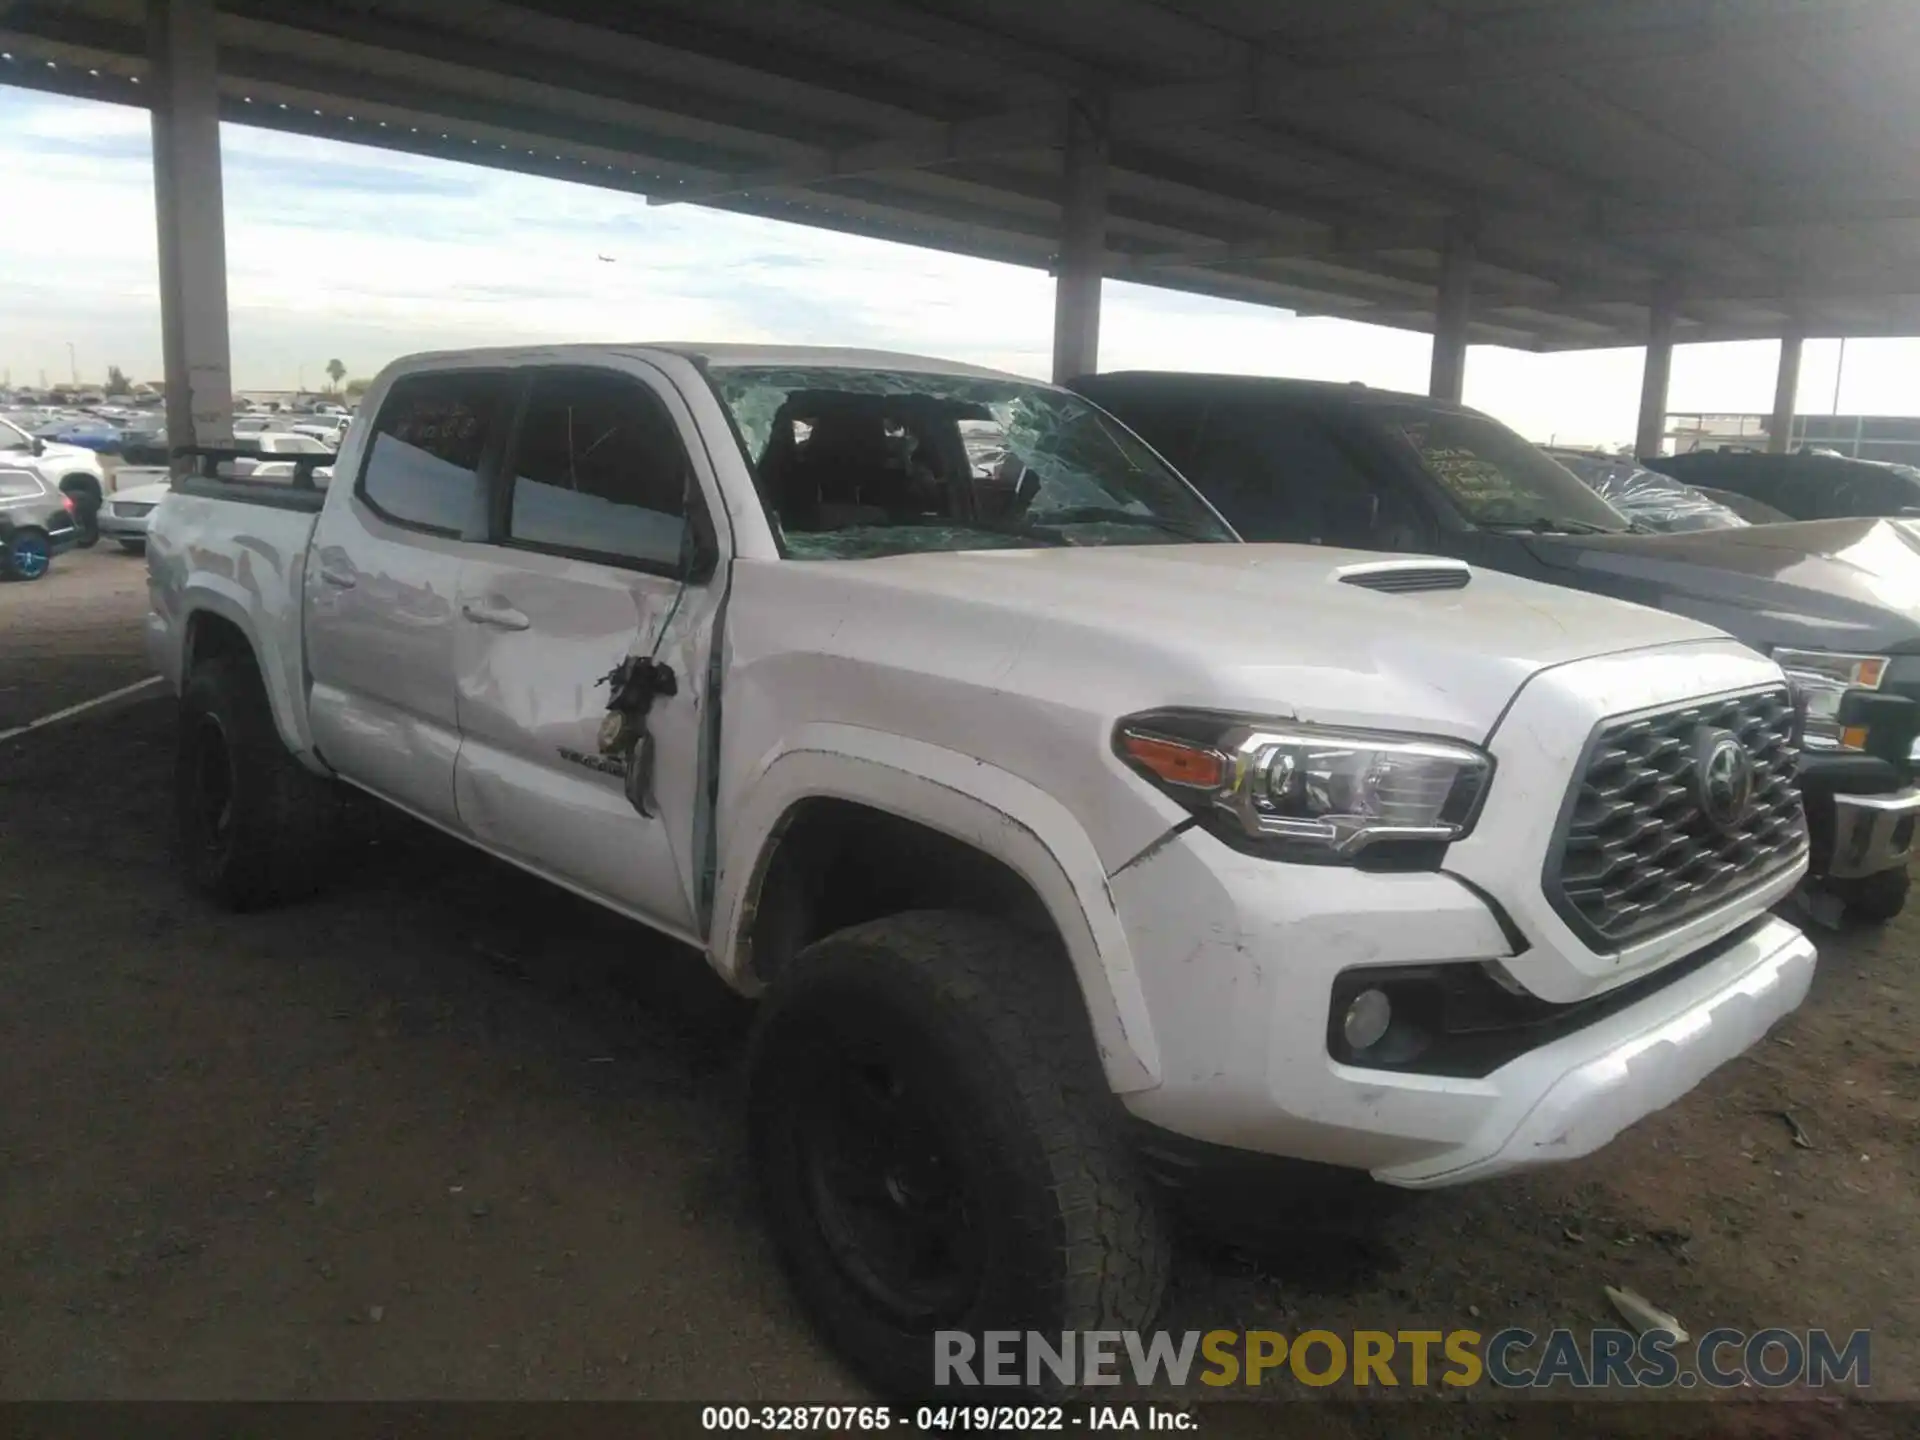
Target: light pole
x,y
73,367
1839,369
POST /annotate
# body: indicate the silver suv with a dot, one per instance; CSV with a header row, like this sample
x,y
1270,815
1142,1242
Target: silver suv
x,y
36,524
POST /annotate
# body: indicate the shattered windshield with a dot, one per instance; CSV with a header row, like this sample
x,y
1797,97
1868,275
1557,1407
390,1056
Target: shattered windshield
x,y
1497,479
1657,501
854,464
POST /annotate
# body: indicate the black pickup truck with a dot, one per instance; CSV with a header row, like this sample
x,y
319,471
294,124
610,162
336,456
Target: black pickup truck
x,y
1835,602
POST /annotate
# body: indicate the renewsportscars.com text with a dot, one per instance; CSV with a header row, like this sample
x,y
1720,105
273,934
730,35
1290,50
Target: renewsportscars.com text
x,y
1511,1358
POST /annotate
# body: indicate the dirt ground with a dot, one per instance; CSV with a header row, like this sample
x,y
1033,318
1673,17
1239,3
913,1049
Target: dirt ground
x,y
448,1132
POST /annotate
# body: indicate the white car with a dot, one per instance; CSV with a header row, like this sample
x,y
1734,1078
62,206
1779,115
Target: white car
x,y
129,511
1060,835
278,442
329,430
73,470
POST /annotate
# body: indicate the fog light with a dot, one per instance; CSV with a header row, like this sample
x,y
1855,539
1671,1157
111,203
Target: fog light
x,y
1367,1019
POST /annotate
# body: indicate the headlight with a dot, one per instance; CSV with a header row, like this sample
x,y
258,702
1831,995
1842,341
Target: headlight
x,y
1821,680
1304,792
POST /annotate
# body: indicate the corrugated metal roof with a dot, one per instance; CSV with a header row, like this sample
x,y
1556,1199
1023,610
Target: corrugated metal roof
x,y
1754,155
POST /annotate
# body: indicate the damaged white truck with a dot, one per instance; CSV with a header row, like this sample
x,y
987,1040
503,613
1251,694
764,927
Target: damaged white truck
x,y
1056,830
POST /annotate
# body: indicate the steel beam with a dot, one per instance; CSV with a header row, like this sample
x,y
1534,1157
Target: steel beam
x,y
1452,315
1083,246
1786,394
1651,433
185,96
938,143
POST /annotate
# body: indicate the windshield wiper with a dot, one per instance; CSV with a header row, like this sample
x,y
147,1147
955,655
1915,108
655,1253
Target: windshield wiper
x,y
1547,525
1093,514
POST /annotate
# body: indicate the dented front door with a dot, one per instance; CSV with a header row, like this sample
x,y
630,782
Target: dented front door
x,y
592,564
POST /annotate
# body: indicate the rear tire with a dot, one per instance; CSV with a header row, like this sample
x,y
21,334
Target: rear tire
x,y
1875,899
937,1147
85,493
256,828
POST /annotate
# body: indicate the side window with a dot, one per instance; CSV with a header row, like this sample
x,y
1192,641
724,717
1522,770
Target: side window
x,y
1278,473
423,465
599,471
16,484
1169,424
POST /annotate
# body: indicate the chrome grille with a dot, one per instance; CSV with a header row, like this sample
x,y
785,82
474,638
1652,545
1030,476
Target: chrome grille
x,y
1637,853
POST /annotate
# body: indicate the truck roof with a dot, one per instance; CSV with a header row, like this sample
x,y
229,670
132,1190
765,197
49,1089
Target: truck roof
x,y
1272,387
807,357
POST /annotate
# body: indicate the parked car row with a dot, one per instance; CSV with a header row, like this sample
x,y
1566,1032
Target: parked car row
x,y
1067,842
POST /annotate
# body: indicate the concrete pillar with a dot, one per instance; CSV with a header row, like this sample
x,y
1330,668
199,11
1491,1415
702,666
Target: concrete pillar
x,y
1083,247
1786,391
1659,372
1454,308
192,223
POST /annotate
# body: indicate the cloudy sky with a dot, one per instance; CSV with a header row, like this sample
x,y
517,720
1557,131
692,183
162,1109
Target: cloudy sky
x,y
340,250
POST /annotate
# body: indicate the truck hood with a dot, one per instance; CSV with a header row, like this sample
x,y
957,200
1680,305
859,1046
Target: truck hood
x,y
1826,584
67,455
1266,629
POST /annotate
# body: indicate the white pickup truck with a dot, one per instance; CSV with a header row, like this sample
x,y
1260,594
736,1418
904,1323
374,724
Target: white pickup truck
x,y
1065,837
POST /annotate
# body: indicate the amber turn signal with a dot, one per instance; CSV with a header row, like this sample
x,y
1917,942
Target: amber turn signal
x,y
1175,762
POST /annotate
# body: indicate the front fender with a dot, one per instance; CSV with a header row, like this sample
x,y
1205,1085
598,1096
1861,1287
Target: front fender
x,y
995,812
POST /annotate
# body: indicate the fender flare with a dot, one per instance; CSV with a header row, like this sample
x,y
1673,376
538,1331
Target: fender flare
x,y
991,810
210,594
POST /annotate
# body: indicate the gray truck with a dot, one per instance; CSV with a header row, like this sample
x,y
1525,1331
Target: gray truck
x,y
1835,602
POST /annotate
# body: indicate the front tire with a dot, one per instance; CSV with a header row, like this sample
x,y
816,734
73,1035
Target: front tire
x,y
256,827
937,1148
1875,899
28,555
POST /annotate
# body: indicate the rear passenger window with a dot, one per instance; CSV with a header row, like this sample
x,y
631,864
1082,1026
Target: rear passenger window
x,y
599,471
423,465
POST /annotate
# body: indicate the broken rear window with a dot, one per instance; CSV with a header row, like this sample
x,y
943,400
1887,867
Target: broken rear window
x,y
854,464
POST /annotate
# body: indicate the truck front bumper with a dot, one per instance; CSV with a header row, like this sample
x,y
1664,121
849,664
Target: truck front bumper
x,y
1239,957
1872,833
1570,1097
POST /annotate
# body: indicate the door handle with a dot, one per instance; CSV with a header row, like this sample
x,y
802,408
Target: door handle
x,y
499,617
337,578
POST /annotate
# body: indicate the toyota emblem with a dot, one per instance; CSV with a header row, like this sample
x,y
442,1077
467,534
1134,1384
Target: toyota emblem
x,y
1722,778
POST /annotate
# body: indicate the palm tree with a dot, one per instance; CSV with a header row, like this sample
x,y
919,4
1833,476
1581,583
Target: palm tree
x,y
336,372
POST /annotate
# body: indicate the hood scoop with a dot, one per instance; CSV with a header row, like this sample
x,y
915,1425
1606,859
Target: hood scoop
x,y
1406,577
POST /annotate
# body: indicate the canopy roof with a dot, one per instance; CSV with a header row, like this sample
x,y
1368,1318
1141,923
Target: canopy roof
x,y
1753,157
